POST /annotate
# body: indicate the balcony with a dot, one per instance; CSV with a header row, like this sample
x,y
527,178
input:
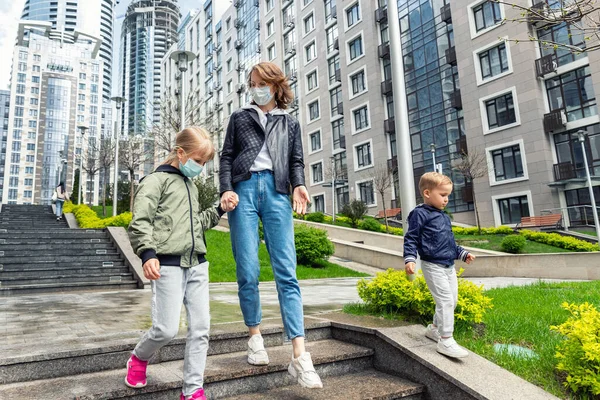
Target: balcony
x,y
387,87
555,120
392,163
451,56
545,65
564,171
461,145
446,14
456,100
381,15
389,125
340,108
336,44
338,75
239,44
384,50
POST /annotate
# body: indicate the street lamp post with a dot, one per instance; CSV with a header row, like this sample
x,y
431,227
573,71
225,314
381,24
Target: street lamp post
x,y
333,179
432,147
82,128
183,57
119,101
581,135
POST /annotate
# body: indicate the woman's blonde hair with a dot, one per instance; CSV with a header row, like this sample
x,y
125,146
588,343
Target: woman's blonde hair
x,y
190,140
274,76
431,180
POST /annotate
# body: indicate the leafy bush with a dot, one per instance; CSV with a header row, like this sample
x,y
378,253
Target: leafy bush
x,y
392,291
501,230
315,217
88,219
354,211
371,224
564,242
513,243
312,244
579,354
208,194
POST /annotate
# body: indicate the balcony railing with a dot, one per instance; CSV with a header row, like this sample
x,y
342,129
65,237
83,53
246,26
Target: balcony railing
x,y
446,14
389,125
451,56
384,50
564,171
461,145
545,65
555,120
456,100
392,163
381,15
387,87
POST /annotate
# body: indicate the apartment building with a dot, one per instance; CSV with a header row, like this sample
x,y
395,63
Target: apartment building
x,y
4,114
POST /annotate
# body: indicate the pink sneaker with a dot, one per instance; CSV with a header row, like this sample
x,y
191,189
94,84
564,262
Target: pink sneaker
x,y
136,372
198,395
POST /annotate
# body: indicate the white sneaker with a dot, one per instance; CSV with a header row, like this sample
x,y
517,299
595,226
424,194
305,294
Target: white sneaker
x,y
450,348
432,333
257,355
302,368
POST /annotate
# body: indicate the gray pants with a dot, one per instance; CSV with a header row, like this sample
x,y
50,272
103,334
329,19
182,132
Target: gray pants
x,y
443,285
175,286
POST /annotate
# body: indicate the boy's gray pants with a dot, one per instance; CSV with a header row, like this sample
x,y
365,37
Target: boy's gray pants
x,y
443,285
175,286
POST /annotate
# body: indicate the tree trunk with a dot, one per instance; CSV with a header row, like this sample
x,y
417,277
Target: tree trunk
x,y
387,227
476,210
91,197
104,194
131,192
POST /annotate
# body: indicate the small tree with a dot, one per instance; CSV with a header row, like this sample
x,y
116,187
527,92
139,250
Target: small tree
x,y
106,158
208,194
75,193
472,165
382,181
132,154
91,163
354,211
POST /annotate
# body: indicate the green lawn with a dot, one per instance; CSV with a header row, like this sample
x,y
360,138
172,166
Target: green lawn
x,y
590,231
521,316
492,242
222,265
98,210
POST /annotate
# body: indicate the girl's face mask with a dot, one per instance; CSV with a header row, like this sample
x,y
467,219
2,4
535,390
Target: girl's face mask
x,y
191,168
261,95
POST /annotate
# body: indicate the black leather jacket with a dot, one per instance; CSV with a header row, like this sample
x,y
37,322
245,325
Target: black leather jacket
x,y
245,137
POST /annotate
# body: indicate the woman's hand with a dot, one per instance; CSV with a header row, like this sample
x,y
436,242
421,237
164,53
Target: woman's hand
x,y
300,200
229,200
152,269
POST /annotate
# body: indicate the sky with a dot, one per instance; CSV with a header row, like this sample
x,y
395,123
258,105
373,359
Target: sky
x,y
10,13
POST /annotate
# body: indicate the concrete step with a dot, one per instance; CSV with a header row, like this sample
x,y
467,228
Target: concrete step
x,y
54,248
226,375
56,234
58,278
64,287
58,264
67,271
64,259
59,251
368,384
5,243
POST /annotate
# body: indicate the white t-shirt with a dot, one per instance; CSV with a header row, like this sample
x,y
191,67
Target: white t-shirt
x,y
263,160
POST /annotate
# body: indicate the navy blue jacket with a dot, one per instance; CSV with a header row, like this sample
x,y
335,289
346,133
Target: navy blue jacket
x,y
430,235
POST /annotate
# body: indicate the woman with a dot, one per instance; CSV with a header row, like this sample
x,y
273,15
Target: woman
x,y
61,197
261,160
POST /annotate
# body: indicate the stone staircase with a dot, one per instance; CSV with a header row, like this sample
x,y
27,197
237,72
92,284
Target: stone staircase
x,y
348,370
39,254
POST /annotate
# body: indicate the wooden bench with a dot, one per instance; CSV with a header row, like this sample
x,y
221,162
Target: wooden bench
x,y
549,220
390,213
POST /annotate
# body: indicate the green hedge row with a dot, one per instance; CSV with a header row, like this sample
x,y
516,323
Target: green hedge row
x,y
88,219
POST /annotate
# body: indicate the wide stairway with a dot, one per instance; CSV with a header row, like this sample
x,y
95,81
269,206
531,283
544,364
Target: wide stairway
x,y
350,371
39,254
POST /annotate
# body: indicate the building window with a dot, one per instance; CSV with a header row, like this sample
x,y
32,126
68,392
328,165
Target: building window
x,y
271,52
500,111
333,67
332,37
329,6
342,197
313,111
337,130
319,203
270,27
353,14
310,52
311,80
367,194
31,146
335,98
358,82
507,163
361,118
315,141
486,15
512,209
309,24
566,34
363,155
317,172
573,92
356,48
493,61
269,4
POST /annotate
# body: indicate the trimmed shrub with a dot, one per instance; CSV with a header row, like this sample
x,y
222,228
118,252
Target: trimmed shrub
x,y
88,219
312,245
513,243
579,354
501,230
564,242
370,224
315,217
392,291
354,211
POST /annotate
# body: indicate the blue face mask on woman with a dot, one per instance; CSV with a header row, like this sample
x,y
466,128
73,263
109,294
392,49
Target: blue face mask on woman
x,y
191,168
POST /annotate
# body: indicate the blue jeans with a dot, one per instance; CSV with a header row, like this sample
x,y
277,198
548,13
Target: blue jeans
x,y
59,207
259,199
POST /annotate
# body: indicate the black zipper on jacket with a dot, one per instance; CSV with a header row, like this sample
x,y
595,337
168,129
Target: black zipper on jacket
x,y
191,220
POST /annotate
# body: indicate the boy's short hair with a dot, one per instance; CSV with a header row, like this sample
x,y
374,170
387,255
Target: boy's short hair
x,y
431,180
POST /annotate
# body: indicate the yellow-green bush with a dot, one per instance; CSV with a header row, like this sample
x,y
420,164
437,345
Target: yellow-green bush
x,y
371,224
564,242
579,354
501,230
392,291
88,219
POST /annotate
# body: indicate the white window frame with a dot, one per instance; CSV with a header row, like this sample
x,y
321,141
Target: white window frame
x,y
310,150
483,111
496,209
345,15
272,46
306,5
310,168
490,162
355,158
476,53
357,191
350,75
471,16
316,52
308,104
314,24
324,200
354,131
272,23
308,90
362,37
